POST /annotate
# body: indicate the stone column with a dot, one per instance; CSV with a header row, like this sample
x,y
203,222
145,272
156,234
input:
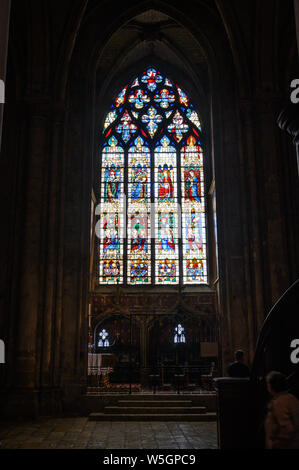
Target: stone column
x,y
296,134
4,27
296,5
288,121
34,386
273,220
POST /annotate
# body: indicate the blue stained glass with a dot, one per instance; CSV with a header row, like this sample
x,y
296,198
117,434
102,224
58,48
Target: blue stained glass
x,y
126,128
112,183
192,183
139,182
165,99
103,339
152,78
139,99
167,271
178,127
139,272
152,119
195,270
110,271
166,233
179,334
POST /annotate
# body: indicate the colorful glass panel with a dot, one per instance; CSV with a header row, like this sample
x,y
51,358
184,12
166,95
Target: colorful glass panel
x,y
152,119
179,335
167,264
193,116
152,78
183,97
178,128
139,241
103,339
165,99
126,128
111,217
193,214
139,98
152,130
110,119
121,98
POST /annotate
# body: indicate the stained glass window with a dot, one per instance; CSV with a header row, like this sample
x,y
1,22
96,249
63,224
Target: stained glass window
x,y
152,204
179,335
166,213
103,341
193,214
112,213
139,198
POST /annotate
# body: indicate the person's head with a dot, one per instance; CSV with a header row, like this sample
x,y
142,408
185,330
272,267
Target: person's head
x,y
239,356
276,382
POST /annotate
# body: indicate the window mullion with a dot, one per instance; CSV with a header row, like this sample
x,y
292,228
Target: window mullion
x,y
126,219
180,216
153,216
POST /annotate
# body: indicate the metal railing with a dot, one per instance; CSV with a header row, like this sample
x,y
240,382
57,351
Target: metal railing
x,y
134,379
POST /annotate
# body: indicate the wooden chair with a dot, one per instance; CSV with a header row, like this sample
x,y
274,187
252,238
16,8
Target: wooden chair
x,y
207,379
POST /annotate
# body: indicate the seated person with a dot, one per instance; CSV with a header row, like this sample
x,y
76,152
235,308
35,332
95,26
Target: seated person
x,y
238,369
282,421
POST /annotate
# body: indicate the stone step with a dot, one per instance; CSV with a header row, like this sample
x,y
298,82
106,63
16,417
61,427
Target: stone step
x,y
149,403
154,410
96,404
155,396
204,417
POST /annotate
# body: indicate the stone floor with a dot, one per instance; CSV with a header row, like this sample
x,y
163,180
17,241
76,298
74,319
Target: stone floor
x,y
79,433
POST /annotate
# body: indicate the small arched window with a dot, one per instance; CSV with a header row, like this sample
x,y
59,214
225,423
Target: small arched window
x,y
103,339
179,335
152,226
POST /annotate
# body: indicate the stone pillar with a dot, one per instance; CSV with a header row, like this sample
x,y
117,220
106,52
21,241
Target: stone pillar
x,y
296,134
235,405
34,341
288,121
22,399
296,5
4,27
276,263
